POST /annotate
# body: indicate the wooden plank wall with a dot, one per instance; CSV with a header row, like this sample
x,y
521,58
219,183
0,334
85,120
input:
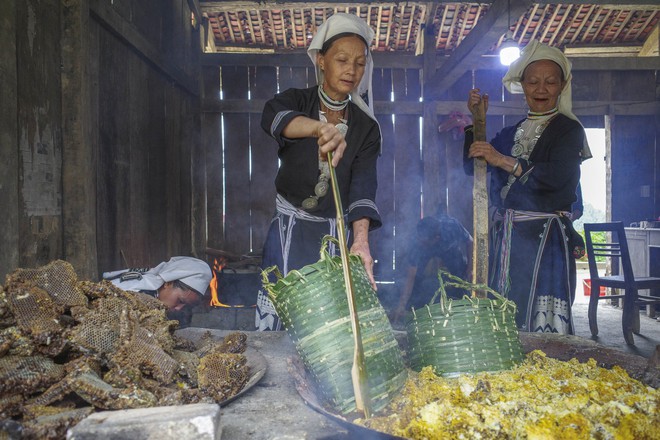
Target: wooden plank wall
x,y
401,170
9,220
634,153
39,132
249,161
148,129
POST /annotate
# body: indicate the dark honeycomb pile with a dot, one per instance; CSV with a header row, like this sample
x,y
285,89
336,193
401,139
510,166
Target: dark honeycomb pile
x,y
70,347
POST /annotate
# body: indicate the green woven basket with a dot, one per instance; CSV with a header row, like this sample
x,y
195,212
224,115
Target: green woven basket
x,y
313,306
468,335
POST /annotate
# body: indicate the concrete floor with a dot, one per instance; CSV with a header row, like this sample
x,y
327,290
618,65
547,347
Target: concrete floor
x,y
610,332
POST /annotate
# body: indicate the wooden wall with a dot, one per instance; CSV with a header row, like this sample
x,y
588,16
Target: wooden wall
x,y
417,171
100,134
147,132
107,160
31,142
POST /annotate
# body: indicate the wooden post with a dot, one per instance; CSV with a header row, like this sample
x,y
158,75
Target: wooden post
x,y
480,204
434,151
78,160
9,221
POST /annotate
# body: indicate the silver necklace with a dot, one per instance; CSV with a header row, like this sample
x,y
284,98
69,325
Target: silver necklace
x,y
330,103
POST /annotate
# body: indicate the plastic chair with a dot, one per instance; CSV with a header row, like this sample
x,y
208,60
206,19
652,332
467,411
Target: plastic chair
x,y
616,246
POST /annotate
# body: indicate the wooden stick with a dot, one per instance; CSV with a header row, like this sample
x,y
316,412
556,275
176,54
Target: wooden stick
x,y
480,204
359,370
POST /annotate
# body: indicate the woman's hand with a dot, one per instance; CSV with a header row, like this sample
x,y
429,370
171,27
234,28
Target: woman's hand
x,y
486,151
360,247
474,97
330,139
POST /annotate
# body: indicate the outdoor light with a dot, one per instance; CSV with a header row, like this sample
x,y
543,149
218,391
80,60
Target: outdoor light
x,y
509,51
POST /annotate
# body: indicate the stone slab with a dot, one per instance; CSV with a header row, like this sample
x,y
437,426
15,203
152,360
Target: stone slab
x,y
225,318
197,421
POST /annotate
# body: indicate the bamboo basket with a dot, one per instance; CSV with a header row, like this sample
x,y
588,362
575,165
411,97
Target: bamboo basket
x,y
468,335
312,304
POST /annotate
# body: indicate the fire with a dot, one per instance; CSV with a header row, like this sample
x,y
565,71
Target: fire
x,y
217,268
216,283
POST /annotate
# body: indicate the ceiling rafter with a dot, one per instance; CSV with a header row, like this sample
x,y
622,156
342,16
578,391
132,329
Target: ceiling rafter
x,y
474,45
464,35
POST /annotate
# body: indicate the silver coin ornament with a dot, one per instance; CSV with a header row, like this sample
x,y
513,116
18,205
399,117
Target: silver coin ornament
x,y
323,185
343,128
310,203
321,188
517,150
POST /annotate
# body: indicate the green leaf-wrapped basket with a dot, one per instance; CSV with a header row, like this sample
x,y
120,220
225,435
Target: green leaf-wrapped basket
x,y
468,335
312,304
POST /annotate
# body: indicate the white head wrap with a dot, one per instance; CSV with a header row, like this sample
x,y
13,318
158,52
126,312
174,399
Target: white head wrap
x,y
191,271
536,51
338,24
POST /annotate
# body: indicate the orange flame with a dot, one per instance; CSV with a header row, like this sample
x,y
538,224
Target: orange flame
x,y
217,268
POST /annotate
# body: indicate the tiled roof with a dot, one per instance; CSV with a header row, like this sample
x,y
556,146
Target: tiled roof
x,y
290,26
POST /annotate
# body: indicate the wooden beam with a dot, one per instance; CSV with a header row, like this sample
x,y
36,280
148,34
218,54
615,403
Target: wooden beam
x,y
9,141
194,7
433,151
602,51
507,108
128,33
207,5
652,44
478,42
78,158
392,60
616,63
389,60
650,5
242,5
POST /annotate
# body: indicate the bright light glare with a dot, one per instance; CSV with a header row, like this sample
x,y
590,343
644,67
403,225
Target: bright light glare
x,y
509,52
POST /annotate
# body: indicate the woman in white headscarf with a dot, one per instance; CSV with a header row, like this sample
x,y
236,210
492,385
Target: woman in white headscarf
x,y
181,283
307,124
535,169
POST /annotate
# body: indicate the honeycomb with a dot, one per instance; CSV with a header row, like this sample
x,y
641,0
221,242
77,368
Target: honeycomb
x,y
542,398
28,375
222,375
70,347
57,278
54,425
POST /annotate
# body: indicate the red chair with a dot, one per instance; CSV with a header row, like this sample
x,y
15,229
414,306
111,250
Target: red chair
x,y
616,247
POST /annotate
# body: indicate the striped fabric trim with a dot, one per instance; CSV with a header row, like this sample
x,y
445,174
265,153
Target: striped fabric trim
x,y
286,209
283,206
363,203
278,119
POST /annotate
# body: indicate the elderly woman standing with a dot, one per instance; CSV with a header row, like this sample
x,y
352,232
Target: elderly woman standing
x,y
535,169
307,124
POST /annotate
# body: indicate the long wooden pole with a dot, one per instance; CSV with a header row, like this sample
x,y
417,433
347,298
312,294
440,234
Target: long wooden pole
x,y
480,204
359,371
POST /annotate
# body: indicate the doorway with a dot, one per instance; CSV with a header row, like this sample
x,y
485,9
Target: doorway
x,y
594,181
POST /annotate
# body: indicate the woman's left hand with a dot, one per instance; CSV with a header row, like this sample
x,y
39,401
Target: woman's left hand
x,y
486,151
362,249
